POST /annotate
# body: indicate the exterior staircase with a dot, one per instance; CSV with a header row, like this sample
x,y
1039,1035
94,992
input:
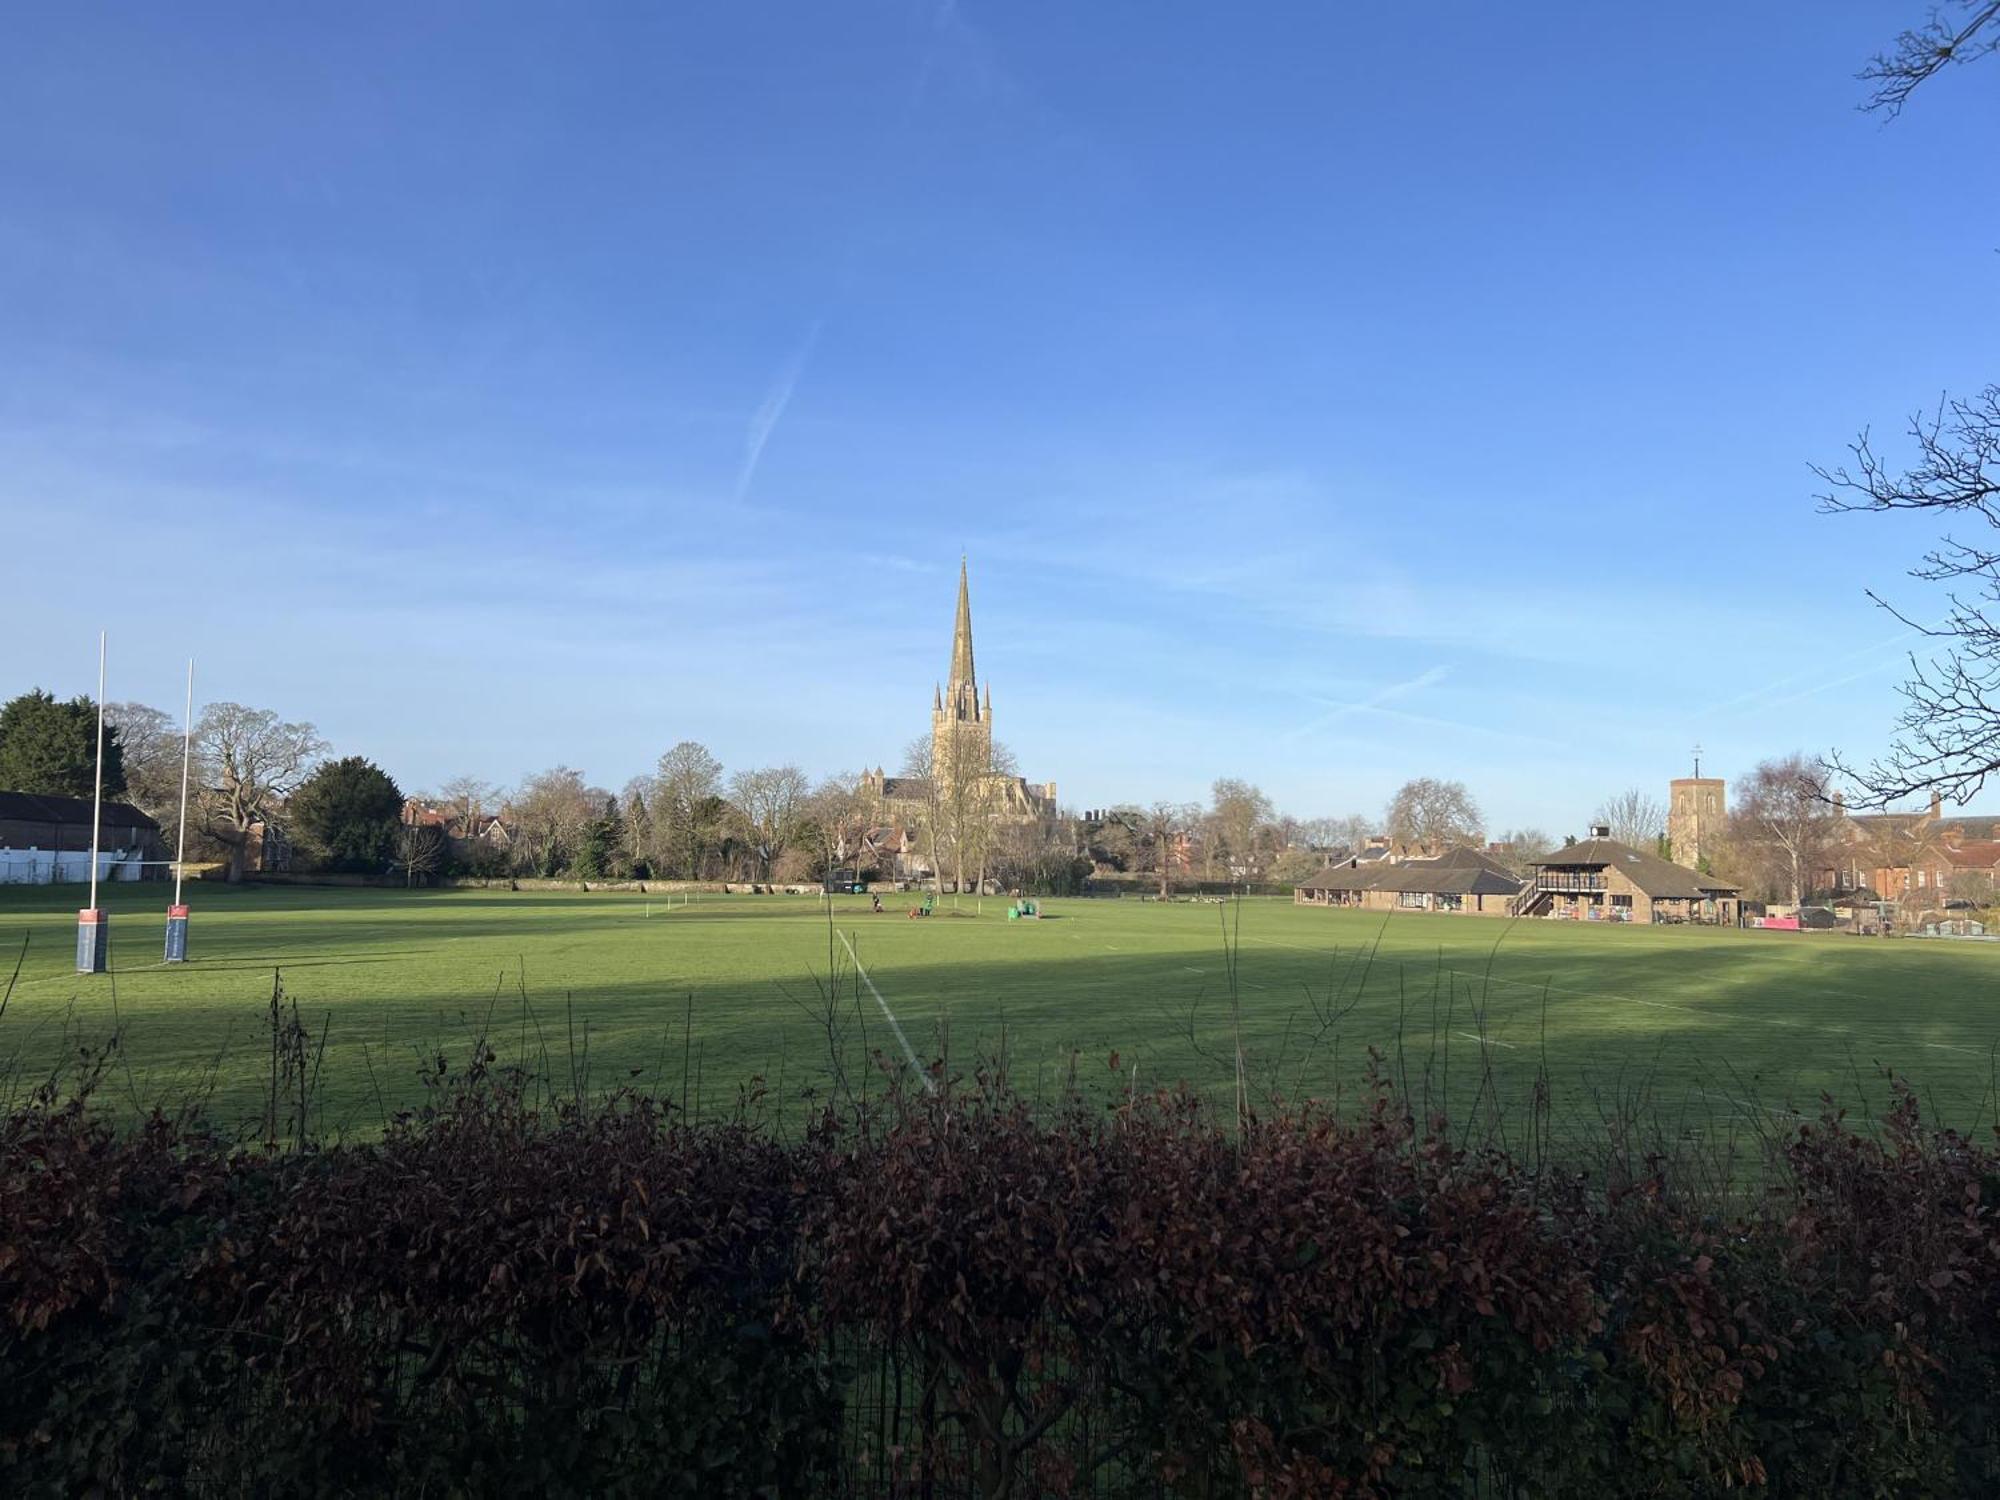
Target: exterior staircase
x,y
1530,902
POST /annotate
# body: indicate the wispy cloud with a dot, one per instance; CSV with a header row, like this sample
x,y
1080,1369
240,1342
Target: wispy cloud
x,y
1379,699
1881,656
764,421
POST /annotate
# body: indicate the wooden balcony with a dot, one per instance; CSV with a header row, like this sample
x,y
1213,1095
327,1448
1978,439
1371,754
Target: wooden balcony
x,y
1569,880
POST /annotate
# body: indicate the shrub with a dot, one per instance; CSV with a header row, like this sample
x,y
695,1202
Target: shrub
x,y
504,1297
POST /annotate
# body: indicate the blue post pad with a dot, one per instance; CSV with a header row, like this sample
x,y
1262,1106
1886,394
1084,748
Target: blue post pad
x,y
177,934
93,940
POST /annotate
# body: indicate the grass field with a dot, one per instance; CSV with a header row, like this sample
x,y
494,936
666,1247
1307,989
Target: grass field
x,y
1715,1023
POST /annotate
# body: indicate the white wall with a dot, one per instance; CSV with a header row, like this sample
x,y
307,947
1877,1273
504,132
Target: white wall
x,y
46,867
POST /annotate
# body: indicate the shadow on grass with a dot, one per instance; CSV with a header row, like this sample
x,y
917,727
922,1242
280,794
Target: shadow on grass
x,y
1483,1033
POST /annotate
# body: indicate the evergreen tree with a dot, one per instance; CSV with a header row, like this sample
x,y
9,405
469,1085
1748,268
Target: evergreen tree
x,y
347,813
50,748
603,843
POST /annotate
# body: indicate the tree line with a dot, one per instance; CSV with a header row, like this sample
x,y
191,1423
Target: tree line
x,y
690,818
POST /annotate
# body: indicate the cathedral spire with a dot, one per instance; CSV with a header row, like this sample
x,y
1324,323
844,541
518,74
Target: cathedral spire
x,y
961,635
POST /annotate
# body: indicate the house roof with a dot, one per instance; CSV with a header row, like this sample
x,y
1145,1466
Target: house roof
x,y
1465,857
1968,830
32,807
1456,872
1984,854
1340,878
1658,878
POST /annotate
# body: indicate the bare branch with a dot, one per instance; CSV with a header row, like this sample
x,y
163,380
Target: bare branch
x,y
1922,52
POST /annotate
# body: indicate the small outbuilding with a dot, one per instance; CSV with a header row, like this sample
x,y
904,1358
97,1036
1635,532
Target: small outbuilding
x,y
45,839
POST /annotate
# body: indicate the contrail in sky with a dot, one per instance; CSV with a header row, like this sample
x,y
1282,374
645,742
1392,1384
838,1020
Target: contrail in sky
x,y
1375,700
764,421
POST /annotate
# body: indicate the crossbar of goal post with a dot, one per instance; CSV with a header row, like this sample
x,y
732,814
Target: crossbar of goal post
x,y
92,927
177,914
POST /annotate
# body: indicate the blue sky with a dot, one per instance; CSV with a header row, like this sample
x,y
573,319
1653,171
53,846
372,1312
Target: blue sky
x,y
1324,395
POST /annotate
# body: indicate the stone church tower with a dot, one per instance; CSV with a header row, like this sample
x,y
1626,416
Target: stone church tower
x,y
961,726
1697,816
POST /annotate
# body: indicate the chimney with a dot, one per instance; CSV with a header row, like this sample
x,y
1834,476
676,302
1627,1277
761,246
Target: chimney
x,y
1937,807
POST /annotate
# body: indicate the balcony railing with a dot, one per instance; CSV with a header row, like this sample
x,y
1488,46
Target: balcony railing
x,y
1564,880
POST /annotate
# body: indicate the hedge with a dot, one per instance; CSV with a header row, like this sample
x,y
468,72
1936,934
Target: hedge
x,y
958,1295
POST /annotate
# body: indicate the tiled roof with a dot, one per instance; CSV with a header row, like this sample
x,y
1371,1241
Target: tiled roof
x,y
32,807
1461,872
1656,877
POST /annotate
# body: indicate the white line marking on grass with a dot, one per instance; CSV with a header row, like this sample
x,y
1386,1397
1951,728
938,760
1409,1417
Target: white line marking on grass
x,y
1191,968
1950,1047
1484,1041
930,1086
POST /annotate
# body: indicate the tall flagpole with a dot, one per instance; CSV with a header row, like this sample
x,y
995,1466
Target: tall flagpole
x,y
97,800
187,751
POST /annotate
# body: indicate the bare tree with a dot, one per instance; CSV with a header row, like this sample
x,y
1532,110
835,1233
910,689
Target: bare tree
x,y
687,804
1950,35
251,760
1785,823
1433,815
1038,855
466,797
771,803
961,793
551,813
639,846
420,851
834,822
1633,818
1353,832
152,746
1290,866
920,773
1974,886
1947,736
1164,829
985,812
1238,813
1521,847
1337,837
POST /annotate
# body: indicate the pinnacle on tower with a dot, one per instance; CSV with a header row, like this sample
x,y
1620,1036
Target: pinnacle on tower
x,y
961,635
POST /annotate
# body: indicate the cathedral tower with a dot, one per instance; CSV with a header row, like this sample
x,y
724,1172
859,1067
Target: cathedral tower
x,y
961,726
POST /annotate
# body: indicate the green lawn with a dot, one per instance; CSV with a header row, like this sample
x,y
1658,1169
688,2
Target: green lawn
x,y
1715,1023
